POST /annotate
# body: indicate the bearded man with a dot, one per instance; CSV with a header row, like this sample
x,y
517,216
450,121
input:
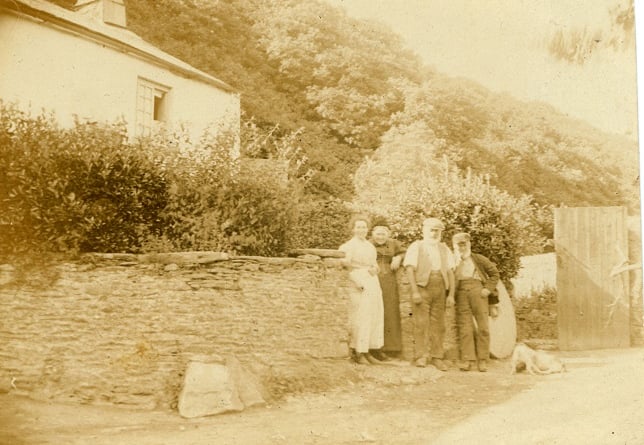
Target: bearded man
x,y
429,264
476,279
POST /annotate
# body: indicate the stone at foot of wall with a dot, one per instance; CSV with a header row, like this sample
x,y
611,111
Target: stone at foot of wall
x,y
247,384
208,389
213,388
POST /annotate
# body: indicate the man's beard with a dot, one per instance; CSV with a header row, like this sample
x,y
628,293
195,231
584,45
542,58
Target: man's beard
x,y
462,256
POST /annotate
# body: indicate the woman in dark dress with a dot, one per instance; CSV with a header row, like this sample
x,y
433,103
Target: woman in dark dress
x,y
390,255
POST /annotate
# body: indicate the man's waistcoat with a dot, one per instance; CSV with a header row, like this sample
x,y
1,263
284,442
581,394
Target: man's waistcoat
x,y
424,267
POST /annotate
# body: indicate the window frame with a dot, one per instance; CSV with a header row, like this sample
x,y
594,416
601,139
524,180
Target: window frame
x,y
151,106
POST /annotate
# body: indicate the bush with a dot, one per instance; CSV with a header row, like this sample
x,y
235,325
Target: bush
x,y
78,189
89,189
257,215
215,204
322,224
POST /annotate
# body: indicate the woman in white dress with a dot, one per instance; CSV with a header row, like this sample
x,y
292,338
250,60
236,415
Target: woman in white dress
x,y
366,315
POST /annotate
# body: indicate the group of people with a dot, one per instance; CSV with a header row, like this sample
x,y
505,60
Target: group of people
x,y
438,277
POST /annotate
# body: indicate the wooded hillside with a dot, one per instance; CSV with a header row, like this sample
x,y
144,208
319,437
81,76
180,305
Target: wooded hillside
x,y
302,64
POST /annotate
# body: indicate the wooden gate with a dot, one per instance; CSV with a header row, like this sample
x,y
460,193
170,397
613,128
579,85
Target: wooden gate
x,y
592,297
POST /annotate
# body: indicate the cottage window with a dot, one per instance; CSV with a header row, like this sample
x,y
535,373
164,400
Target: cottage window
x,y
151,106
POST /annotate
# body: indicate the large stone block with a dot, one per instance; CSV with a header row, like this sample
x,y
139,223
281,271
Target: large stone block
x,y
208,389
248,386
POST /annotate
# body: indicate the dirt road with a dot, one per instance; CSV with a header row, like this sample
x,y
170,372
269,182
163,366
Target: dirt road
x,y
600,400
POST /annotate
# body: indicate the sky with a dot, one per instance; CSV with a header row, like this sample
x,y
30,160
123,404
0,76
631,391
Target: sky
x,y
501,45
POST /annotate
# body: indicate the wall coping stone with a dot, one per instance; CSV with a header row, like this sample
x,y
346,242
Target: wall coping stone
x,y
322,253
326,257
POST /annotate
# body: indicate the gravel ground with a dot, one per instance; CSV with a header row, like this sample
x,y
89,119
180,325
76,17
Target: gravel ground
x,y
599,400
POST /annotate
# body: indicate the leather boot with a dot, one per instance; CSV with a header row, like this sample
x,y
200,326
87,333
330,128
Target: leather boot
x,y
372,359
362,359
467,365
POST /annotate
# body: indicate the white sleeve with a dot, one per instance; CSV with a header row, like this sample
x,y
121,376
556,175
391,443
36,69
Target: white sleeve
x,y
411,256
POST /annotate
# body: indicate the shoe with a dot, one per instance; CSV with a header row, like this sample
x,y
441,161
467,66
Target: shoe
x,y
371,359
362,360
421,362
466,365
483,365
439,364
379,355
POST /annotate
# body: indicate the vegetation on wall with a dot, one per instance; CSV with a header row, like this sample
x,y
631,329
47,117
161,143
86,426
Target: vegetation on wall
x,y
74,189
89,189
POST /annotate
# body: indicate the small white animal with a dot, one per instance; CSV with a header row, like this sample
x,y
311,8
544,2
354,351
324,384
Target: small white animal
x,y
535,362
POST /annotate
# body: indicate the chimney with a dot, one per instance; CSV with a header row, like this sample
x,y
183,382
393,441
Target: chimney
x,y
110,12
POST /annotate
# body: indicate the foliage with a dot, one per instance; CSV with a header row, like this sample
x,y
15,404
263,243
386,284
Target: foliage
x,y
524,148
218,204
328,79
324,90
344,66
276,144
341,84
257,216
89,189
322,224
74,189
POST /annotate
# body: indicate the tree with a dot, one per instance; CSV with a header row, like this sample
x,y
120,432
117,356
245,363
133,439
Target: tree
x,y
577,45
345,66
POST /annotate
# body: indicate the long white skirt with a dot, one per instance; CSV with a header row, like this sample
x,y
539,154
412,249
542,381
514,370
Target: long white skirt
x,y
366,313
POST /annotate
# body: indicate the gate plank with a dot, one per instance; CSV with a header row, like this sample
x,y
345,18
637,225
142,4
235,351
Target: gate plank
x,y
588,241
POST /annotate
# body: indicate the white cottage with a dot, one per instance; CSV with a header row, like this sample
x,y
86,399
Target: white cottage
x,y
82,61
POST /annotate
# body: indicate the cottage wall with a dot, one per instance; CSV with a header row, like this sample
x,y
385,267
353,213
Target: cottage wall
x,y
45,66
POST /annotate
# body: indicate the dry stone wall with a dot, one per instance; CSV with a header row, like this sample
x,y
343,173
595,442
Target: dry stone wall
x,y
120,329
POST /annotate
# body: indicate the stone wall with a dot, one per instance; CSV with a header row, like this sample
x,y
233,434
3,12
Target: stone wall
x,y
536,315
537,272
120,329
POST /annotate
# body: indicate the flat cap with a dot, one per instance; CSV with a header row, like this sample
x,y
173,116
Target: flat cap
x,y
434,223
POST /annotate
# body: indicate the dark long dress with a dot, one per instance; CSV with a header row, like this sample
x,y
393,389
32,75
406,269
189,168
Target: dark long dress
x,y
390,299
